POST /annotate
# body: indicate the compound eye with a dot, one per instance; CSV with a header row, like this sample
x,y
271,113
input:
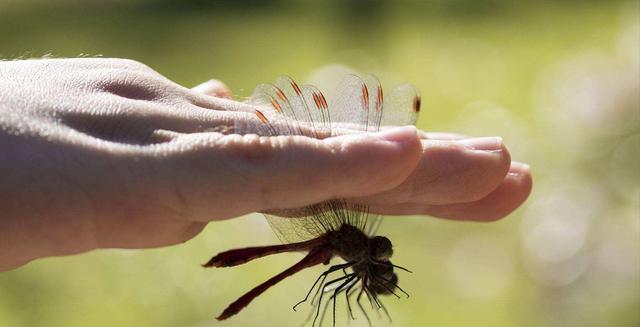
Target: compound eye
x,y
380,248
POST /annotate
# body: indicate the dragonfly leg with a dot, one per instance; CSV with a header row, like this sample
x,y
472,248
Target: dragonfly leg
x,y
367,292
319,290
335,295
322,293
386,312
322,276
373,301
380,305
395,285
378,302
360,305
332,299
387,263
376,279
347,295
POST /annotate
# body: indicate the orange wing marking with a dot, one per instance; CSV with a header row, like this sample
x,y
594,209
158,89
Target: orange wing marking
x,y
365,97
276,105
316,100
296,87
280,94
323,101
262,117
379,99
416,103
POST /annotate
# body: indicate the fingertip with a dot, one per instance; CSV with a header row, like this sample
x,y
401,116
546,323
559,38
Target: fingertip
x,y
505,199
511,194
459,171
519,168
521,173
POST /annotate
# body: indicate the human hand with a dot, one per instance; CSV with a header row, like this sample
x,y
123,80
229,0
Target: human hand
x,y
108,153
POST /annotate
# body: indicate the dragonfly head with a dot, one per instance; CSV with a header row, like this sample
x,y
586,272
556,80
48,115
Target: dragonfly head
x,y
380,248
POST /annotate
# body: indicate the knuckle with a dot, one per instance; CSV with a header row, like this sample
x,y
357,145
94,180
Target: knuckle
x,y
251,150
134,85
130,64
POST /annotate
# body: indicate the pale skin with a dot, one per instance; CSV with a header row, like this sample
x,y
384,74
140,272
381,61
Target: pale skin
x,y
108,153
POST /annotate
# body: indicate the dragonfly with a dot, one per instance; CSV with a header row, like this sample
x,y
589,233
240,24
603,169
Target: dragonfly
x,y
336,228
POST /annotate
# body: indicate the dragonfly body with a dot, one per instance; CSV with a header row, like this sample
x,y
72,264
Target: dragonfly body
x,y
367,256
335,228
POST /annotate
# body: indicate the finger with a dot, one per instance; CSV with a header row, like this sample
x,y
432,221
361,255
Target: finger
x,y
451,172
511,193
157,233
214,88
344,129
441,136
222,176
435,135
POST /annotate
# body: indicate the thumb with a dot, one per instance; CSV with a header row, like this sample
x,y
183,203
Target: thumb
x,y
239,174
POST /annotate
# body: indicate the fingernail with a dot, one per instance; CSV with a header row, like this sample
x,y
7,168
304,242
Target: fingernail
x,y
519,168
488,144
399,134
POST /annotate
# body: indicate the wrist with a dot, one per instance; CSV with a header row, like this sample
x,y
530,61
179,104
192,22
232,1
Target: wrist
x,y
39,217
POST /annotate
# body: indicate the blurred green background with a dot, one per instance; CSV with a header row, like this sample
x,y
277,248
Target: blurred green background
x,y
559,80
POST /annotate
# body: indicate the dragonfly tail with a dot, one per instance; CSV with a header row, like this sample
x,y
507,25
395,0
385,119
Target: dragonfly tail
x,y
315,257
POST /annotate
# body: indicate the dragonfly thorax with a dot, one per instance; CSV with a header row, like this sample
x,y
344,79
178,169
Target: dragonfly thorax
x,y
353,245
349,243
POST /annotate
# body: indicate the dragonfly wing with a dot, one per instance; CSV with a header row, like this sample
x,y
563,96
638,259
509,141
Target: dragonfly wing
x,y
290,109
349,106
402,106
318,114
375,102
294,229
286,108
301,224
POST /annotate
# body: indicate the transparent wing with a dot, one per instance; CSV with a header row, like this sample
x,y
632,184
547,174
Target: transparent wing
x,y
273,113
306,223
349,106
358,104
318,111
375,102
373,224
402,106
299,111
